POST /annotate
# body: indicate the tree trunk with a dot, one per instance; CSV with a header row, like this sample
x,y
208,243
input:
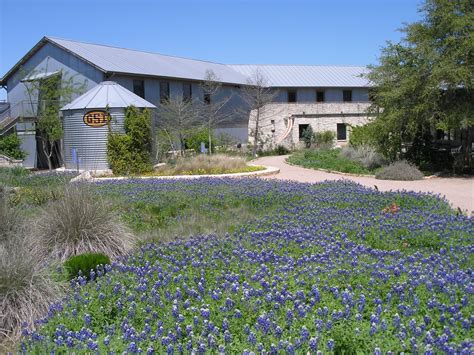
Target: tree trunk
x,y
255,138
47,154
210,139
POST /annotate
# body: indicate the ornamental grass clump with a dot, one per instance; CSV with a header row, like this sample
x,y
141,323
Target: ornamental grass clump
x,y
400,170
26,288
207,164
81,222
10,221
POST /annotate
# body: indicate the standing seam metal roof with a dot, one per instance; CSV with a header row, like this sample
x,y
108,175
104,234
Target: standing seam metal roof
x,y
120,60
107,94
133,62
308,75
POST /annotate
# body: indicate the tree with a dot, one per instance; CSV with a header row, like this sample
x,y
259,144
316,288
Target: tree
x,y
46,95
212,109
178,118
426,80
130,153
257,95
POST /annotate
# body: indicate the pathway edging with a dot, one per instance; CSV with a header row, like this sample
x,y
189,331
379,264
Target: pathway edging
x,y
87,176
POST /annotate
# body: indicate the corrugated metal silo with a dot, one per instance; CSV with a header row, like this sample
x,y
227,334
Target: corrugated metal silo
x,y
86,127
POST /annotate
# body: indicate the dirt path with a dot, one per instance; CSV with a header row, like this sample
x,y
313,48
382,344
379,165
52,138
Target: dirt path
x,y
458,191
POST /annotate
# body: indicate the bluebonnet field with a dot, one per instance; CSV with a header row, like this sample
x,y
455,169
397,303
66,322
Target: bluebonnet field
x,y
323,267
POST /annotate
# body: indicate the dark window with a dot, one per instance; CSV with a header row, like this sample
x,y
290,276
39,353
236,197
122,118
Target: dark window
x,y
187,92
207,98
341,132
319,96
347,95
164,91
301,129
291,96
139,88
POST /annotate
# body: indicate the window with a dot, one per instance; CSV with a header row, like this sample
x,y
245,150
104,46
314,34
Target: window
x,y
207,98
341,132
319,96
347,95
291,95
139,88
164,92
187,92
301,129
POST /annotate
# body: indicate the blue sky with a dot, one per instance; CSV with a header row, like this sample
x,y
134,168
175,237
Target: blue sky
x,y
334,32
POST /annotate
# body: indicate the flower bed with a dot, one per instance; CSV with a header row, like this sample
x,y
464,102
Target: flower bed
x,y
331,266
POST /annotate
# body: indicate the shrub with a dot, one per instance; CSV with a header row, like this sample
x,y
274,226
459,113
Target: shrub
x,y
194,140
364,154
26,289
308,136
10,145
81,222
362,136
130,153
281,150
400,170
324,138
84,263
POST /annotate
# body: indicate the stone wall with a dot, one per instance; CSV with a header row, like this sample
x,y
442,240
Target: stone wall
x,y
9,162
321,117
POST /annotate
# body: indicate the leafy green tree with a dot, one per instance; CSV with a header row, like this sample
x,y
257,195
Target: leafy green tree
x,y
426,80
130,153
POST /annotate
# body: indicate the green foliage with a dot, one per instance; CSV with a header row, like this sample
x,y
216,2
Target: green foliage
x,y
281,150
82,264
400,170
308,136
330,159
193,141
129,153
363,135
324,138
10,145
425,80
364,154
46,96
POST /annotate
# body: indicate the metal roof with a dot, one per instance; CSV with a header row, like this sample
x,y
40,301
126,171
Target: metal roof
x,y
38,76
107,93
120,60
307,75
132,62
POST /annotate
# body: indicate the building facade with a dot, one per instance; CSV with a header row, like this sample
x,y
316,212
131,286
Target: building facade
x,y
325,97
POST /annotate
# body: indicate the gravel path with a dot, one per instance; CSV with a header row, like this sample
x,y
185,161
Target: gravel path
x,y
458,191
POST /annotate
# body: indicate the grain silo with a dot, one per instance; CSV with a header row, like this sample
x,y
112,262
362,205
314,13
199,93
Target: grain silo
x,y
86,121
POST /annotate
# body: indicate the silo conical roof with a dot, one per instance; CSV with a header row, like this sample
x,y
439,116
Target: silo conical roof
x,y
107,93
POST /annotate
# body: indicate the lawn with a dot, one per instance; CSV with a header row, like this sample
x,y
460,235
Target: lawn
x,y
276,267
329,159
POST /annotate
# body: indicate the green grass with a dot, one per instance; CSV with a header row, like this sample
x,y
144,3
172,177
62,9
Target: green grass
x,y
330,159
34,188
